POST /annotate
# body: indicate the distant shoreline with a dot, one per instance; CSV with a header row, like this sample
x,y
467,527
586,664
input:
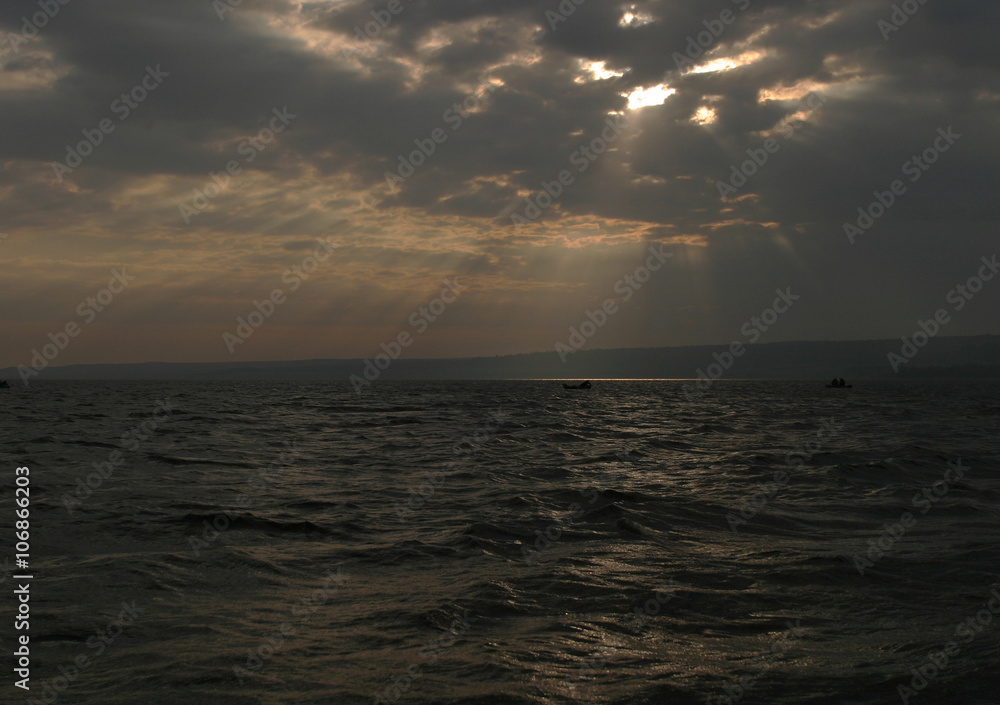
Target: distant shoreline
x,y
971,357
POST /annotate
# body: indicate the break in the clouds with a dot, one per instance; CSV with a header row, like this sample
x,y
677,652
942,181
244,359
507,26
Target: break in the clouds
x,y
533,150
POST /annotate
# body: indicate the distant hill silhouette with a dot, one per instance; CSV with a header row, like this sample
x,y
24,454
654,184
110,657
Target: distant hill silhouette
x,y
975,356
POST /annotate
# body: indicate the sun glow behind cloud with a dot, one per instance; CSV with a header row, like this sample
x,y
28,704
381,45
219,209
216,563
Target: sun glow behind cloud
x,y
704,116
365,100
633,18
654,95
597,71
728,63
796,91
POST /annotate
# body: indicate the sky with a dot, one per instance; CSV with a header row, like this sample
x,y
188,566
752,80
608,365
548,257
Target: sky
x,y
265,180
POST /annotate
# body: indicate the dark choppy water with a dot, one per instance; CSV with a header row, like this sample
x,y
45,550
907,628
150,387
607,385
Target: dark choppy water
x,y
507,542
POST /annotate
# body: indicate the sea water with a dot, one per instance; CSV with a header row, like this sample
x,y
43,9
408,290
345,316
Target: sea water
x,y
506,542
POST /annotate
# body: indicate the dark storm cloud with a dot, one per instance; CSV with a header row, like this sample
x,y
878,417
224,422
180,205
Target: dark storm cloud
x,y
927,75
226,76
360,104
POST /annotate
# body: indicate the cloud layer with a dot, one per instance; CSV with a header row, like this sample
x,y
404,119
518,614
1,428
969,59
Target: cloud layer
x,y
427,140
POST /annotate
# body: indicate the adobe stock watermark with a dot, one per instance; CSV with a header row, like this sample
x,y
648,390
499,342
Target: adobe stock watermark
x,y
382,19
465,448
420,320
87,310
429,653
958,298
752,330
249,149
582,158
256,484
621,472
98,642
704,40
915,168
303,611
454,117
767,491
636,622
545,540
122,107
924,500
263,310
937,662
764,663
131,441
760,155
901,14
562,12
221,7
31,25
626,287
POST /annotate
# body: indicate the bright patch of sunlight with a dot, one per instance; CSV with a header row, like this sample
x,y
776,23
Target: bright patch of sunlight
x,y
597,71
654,95
704,116
729,62
633,18
795,92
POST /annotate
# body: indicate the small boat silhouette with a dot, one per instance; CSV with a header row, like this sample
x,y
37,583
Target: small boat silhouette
x,y
582,385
